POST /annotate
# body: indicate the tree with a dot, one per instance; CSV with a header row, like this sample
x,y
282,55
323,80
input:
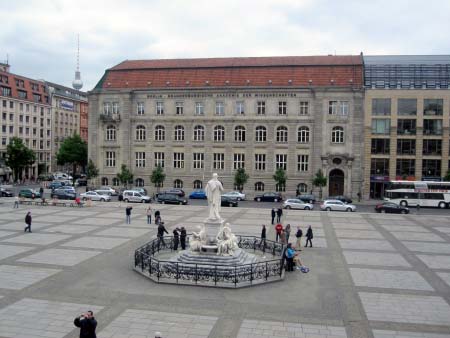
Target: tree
x,y
319,181
240,178
447,176
280,178
92,170
19,156
125,176
158,177
72,151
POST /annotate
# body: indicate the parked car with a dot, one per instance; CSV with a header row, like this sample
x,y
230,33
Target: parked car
x,y
168,198
63,194
95,196
294,203
135,196
6,192
106,191
341,198
336,205
198,194
55,185
29,193
175,191
235,195
392,208
140,190
308,198
269,197
81,182
228,202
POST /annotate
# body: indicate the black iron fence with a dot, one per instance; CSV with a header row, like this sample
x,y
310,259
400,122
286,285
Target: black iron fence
x,y
170,271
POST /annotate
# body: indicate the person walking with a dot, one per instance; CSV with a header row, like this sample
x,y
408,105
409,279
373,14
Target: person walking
x,y
263,236
183,238
278,230
309,236
283,237
149,215
87,324
298,235
273,213
128,214
16,202
279,214
161,231
176,239
41,192
287,230
157,217
28,222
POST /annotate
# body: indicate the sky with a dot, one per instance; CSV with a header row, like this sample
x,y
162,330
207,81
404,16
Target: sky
x,y
39,38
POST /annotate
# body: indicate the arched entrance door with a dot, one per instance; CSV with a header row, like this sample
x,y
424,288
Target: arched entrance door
x,y
336,185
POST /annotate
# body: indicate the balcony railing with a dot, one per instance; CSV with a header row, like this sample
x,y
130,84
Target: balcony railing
x,y
110,118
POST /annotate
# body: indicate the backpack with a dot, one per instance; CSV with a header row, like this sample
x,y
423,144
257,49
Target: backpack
x,y
299,233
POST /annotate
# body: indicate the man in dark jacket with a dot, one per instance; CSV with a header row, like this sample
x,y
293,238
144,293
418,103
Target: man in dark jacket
x,y
309,237
279,214
161,231
183,235
28,222
273,213
263,236
87,324
176,239
298,235
128,214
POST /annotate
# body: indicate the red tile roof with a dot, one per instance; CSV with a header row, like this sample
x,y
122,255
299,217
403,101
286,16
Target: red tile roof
x,y
222,72
11,83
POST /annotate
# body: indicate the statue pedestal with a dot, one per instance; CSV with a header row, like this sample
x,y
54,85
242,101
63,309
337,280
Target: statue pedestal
x,y
212,227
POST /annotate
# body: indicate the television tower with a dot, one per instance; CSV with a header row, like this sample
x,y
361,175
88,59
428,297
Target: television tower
x,y
77,83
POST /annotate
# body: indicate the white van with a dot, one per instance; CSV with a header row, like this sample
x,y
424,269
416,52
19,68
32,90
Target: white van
x,y
135,196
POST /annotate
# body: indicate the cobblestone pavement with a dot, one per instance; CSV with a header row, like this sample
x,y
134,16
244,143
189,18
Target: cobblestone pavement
x,y
372,276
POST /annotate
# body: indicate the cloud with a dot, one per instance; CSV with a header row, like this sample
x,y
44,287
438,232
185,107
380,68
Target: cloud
x,y
40,36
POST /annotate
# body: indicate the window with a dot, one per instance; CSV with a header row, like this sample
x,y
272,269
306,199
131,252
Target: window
x,y
198,184
160,133
219,161
432,127
260,162
179,133
159,108
199,133
11,129
115,108
140,133
280,187
431,168
432,106
379,166
282,134
282,108
337,135
106,108
11,117
199,108
302,162
105,181
381,126
198,160
281,161
7,91
302,188
140,108
110,159
178,184
407,107
380,146
240,108
261,134
220,108
304,108
261,107
338,108
432,147
259,186
381,107
178,160
405,168
406,127
22,94
140,159
238,161
179,108
303,134
159,159
219,134
139,182
239,134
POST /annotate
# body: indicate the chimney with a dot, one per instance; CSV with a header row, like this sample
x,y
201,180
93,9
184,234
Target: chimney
x,y
4,67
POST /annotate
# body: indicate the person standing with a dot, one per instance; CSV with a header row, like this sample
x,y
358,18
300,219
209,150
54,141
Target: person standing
x,y
128,214
28,222
278,230
273,212
157,217
287,230
309,236
87,324
263,236
16,202
290,254
283,237
298,235
41,192
183,238
176,239
161,231
279,214
149,215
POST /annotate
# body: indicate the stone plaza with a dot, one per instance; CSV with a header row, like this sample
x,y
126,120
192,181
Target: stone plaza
x,y
372,275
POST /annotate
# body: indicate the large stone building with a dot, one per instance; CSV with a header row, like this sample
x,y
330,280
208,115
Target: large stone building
x,y
198,116
407,103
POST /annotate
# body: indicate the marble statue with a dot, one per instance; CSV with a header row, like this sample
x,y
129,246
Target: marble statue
x,y
198,239
227,242
213,192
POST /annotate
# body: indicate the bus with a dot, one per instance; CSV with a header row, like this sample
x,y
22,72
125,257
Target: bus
x,y
422,193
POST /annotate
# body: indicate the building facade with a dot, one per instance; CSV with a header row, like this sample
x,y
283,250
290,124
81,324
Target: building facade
x,y
25,113
199,116
407,103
